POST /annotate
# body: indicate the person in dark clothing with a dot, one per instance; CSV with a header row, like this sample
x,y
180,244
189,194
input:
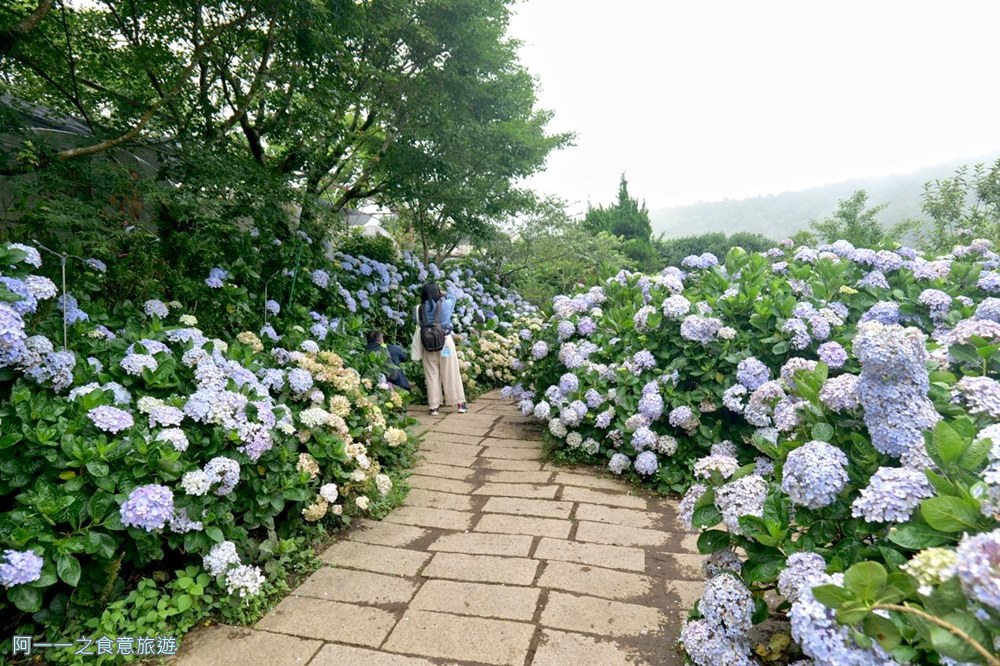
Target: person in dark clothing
x,y
394,375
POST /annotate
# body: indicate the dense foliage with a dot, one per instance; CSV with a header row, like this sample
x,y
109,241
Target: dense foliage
x,y
831,414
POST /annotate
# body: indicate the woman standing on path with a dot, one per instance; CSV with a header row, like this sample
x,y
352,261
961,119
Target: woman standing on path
x,y
434,345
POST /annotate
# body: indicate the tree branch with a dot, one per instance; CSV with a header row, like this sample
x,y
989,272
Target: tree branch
x,y
148,115
947,626
25,25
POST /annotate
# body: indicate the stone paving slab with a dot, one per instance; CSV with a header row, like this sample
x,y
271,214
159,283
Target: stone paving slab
x,y
434,499
444,485
475,543
614,515
529,507
443,471
510,465
329,621
620,535
595,581
518,477
511,454
380,559
453,438
600,616
224,645
386,534
344,655
543,527
589,481
450,448
421,516
560,648
506,602
575,494
446,459
511,443
446,636
612,557
517,490
359,587
482,568
466,428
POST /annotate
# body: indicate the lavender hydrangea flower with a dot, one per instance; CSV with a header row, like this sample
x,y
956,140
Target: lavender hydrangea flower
x,y
603,419
20,567
978,567
724,465
539,350
732,399
134,364
706,645
700,329
33,256
651,405
814,474
833,354
619,463
829,643
643,360
937,301
743,497
683,417
643,438
892,495
800,332
728,605
225,472
149,507
981,394
111,419
885,312
676,307
874,280
893,386
685,510
565,330
216,277
751,373
569,383
300,380
272,307
646,463
840,393
801,572
175,437
542,410
155,308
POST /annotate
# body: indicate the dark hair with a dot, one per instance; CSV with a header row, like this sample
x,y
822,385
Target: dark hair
x,y
374,336
430,292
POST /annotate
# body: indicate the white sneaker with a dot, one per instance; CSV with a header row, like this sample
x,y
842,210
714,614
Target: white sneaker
x,y
463,408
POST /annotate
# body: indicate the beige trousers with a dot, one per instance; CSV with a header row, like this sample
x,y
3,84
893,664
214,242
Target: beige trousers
x,y
441,370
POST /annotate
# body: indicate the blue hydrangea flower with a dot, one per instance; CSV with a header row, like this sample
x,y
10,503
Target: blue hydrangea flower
x,y
20,567
619,463
814,474
539,350
706,645
833,354
727,604
801,572
216,278
978,567
155,308
111,419
885,312
646,463
892,495
148,507
751,373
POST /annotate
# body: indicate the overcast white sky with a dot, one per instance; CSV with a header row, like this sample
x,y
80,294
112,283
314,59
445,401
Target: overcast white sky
x,y
704,100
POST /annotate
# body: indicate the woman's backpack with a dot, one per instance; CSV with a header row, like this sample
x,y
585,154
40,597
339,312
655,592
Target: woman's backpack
x,y
432,336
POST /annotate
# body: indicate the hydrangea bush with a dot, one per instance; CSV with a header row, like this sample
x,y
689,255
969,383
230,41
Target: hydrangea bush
x,y
829,414
148,445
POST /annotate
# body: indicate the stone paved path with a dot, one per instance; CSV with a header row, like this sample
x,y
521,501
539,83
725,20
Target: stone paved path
x,y
495,558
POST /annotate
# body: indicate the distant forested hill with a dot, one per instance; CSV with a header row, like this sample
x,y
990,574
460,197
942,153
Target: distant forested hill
x,y
780,215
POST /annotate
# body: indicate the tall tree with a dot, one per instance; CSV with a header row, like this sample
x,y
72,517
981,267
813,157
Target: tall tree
x,y
627,219
853,222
